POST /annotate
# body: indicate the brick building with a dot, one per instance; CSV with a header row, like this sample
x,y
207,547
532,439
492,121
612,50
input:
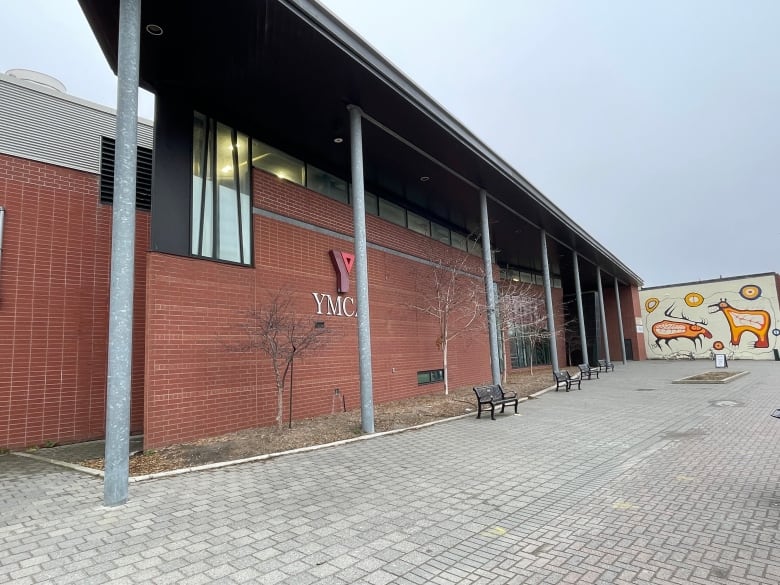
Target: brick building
x,y
251,192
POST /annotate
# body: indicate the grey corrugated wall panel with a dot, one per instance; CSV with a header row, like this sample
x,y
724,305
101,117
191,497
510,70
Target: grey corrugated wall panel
x,y
46,126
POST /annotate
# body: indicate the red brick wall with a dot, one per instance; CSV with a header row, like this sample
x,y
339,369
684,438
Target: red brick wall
x,y
54,283
629,307
198,385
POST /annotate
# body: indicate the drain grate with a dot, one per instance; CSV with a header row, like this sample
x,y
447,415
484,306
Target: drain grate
x,y
646,389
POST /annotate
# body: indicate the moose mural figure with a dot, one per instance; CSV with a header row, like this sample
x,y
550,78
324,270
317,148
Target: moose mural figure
x,y
756,321
668,330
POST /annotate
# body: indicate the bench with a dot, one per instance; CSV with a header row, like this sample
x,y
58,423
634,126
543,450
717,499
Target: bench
x,y
565,378
586,370
493,396
605,366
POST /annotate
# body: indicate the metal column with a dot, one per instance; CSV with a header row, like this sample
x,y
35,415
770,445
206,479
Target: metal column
x,y
361,264
580,311
489,290
120,324
603,315
620,321
548,302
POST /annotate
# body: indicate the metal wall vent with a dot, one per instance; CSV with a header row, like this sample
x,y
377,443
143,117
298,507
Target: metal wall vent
x,y
143,176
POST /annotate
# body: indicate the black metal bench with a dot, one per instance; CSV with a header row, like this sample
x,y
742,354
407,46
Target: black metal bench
x,y
493,396
587,371
605,366
565,378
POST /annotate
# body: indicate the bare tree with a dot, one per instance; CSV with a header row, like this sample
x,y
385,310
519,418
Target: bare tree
x,y
282,335
455,298
522,316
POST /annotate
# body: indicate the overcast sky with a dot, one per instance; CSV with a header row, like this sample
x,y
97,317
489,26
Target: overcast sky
x,y
655,125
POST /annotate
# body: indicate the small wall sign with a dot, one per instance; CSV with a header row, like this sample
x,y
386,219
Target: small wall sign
x,y
720,360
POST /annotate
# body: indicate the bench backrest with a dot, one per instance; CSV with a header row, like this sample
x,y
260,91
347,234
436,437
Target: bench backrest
x,y
560,376
584,367
488,393
602,363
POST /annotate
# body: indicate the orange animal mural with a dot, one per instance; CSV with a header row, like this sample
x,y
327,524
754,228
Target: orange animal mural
x,y
741,321
667,330
748,328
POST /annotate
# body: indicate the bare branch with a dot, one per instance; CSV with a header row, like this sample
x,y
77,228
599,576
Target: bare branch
x,y
452,293
278,332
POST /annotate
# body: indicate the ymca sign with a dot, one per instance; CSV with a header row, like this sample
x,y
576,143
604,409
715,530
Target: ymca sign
x,y
340,306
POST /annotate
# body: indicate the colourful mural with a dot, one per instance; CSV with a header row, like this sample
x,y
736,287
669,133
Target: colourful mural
x,y
737,317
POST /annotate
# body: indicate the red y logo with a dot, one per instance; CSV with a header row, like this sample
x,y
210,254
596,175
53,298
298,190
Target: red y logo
x,y
342,263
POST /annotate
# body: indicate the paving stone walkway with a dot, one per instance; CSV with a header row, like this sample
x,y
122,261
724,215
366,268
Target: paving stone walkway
x,y
630,480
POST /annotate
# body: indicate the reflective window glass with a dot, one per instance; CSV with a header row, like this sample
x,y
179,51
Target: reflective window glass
x,y
440,233
418,224
372,203
327,184
392,212
278,163
458,241
221,200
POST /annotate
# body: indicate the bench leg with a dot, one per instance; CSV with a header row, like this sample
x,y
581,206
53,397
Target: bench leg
x,y
516,403
479,410
492,412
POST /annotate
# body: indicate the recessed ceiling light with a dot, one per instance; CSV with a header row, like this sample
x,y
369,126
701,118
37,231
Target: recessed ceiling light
x,y
154,29
425,178
338,140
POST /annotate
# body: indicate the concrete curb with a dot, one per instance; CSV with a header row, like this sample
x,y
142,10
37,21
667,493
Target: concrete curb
x,y
708,382
66,464
265,457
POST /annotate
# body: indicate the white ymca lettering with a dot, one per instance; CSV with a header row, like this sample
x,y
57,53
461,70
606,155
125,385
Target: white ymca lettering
x,y
338,307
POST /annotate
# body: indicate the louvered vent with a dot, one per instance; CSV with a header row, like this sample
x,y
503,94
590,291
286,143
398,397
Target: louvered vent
x,y
143,174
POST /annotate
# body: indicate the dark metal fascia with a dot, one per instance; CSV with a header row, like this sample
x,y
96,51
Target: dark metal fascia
x,y
329,25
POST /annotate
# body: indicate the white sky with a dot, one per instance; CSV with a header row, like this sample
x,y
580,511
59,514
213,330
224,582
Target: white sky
x,y
653,124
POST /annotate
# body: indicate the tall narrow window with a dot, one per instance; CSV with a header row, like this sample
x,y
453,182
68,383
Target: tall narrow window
x,y
221,201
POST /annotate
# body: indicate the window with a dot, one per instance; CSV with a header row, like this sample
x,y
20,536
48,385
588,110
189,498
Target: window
x,y
372,203
458,241
392,212
328,185
278,163
143,174
440,233
418,224
528,347
429,376
221,187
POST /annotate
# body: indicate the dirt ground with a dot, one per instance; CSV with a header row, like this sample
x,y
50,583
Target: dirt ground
x,y
324,429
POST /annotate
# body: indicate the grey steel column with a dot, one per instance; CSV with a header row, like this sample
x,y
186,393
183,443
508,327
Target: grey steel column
x,y
489,290
361,264
603,314
548,302
620,321
120,324
580,312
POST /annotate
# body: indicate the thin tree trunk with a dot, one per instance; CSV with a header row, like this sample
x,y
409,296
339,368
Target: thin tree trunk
x,y
279,407
446,378
506,363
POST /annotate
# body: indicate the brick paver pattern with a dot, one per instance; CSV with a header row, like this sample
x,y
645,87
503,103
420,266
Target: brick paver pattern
x,y
630,480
